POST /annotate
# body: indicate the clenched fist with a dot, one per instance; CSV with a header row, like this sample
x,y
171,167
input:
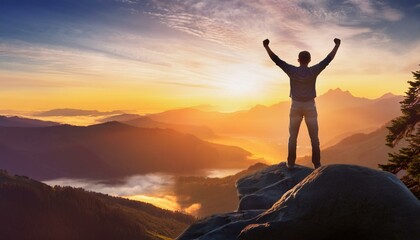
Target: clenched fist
x,y
337,41
266,42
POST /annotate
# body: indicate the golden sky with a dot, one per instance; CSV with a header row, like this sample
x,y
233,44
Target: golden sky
x,y
153,55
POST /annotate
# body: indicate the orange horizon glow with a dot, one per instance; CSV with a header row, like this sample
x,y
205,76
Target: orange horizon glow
x,y
129,102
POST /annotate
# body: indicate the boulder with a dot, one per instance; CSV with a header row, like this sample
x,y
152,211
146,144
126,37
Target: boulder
x,y
332,202
341,202
257,193
207,227
263,188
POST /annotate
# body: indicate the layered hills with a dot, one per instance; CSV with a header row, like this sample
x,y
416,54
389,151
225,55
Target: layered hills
x,y
364,149
340,114
196,130
263,130
110,150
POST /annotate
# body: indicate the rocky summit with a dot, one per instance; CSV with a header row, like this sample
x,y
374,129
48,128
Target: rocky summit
x,y
262,189
331,202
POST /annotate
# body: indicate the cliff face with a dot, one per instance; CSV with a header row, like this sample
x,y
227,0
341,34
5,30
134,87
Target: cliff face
x,y
332,202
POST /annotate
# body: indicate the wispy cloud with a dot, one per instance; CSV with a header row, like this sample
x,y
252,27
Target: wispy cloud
x,y
235,23
376,10
135,185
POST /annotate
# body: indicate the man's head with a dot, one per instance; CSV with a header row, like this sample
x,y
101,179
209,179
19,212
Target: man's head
x,y
304,57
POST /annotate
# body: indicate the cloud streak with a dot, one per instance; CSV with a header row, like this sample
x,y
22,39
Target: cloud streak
x,y
234,22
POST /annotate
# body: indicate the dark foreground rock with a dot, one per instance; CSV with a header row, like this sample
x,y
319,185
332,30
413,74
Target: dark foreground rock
x,y
219,226
333,202
262,189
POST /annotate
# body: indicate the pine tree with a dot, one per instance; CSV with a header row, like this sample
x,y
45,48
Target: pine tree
x,y
407,160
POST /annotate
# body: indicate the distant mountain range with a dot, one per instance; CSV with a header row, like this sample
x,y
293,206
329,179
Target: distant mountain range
x,y
146,122
110,150
179,141
119,118
15,121
74,112
33,210
339,114
199,131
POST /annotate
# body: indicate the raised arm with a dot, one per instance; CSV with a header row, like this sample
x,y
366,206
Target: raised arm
x,y
272,55
334,51
324,63
282,64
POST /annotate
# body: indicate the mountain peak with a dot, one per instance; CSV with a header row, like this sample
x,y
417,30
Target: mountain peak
x,y
387,95
338,92
111,124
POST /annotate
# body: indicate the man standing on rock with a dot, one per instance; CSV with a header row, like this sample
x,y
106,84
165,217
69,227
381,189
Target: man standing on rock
x,y
302,92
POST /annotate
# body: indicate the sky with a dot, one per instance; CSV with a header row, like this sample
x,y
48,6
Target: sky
x,y
154,55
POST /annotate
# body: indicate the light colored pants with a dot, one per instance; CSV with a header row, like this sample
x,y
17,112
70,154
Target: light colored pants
x,y
298,111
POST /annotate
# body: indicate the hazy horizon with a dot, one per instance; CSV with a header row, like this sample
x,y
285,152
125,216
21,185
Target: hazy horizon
x,y
86,116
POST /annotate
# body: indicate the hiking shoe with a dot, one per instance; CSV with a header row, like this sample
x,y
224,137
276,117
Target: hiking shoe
x,y
290,166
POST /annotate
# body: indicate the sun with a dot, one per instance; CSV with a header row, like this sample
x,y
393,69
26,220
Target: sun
x,y
242,81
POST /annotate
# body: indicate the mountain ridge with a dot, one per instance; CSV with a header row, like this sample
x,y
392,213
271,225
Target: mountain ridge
x,y
73,112
17,121
110,150
368,148
337,118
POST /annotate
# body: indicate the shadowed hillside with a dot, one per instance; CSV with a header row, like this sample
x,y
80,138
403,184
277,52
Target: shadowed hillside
x,y
146,122
33,210
110,150
207,192
367,150
199,131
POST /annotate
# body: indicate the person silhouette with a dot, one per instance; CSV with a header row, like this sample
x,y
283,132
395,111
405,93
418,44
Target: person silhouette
x,y
303,93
